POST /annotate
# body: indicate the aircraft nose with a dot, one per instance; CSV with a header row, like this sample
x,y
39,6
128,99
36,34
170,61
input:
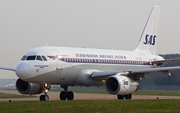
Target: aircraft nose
x,y
23,70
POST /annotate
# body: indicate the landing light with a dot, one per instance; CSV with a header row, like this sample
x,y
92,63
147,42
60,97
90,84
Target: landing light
x,y
103,81
46,91
46,85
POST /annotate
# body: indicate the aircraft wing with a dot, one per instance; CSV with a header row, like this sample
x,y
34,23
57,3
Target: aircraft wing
x,y
137,73
8,68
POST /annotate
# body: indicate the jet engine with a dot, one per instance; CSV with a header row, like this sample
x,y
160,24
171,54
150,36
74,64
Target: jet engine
x,y
24,87
121,85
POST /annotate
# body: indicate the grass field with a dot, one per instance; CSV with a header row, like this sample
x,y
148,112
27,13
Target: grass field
x,y
93,106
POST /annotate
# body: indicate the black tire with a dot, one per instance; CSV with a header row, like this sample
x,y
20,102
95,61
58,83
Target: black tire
x,y
129,96
70,95
120,97
44,98
62,95
41,98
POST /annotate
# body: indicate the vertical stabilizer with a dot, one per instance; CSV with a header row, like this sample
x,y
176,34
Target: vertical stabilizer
x,y
148,40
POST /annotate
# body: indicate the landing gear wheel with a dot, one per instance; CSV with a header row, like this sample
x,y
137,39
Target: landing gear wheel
x,y
129,96
44,98
62,95
41,97
70,95
120,97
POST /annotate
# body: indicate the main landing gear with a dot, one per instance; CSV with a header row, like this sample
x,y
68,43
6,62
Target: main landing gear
x,y
45,97
121,97
69,95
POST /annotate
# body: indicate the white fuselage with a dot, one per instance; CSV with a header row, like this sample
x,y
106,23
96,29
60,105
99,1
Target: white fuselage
x,y
63,64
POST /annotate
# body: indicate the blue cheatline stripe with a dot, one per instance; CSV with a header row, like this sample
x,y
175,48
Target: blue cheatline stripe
x,y
105,61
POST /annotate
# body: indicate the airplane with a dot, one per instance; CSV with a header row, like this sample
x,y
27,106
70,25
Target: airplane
x,y
117,70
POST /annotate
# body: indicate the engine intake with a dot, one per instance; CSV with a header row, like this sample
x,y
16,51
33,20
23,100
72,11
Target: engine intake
x,y
121,85
24,87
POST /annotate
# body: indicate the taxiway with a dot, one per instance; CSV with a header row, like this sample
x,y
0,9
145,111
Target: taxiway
x,y
81,96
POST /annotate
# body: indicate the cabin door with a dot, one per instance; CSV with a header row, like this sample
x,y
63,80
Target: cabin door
x,y
59,64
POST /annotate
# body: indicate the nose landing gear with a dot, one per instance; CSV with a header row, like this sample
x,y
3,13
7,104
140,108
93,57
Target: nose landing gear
x,y
44,97
69,95
46,88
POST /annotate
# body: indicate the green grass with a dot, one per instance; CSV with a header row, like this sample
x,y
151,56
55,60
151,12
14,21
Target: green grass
x,y
2,95
93,106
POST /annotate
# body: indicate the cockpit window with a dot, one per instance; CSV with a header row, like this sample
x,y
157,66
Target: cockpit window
x,y
24,58
34,57
31,57
39,58
44,58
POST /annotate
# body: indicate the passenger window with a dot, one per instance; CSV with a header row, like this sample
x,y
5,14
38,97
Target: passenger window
x,y
39,58
31,57
44,58
24,58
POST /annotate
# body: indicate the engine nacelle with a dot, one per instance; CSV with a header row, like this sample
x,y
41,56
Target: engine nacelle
x,y
24,87
121,85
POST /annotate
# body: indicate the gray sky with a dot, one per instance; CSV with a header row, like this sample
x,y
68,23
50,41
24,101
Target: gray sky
x,y
26,24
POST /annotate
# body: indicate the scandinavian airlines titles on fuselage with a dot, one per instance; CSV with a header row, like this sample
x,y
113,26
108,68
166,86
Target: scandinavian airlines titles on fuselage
x,y
100,56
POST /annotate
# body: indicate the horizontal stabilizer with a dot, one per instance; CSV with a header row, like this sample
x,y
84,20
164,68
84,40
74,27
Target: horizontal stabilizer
x,y
167,60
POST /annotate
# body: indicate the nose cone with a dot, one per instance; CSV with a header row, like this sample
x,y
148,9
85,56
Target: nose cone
x,y
23,70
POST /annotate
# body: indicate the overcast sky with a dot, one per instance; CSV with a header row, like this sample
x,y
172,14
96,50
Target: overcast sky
x,y
27,24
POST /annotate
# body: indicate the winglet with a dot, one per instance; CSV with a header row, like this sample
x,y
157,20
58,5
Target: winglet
x,y
148,40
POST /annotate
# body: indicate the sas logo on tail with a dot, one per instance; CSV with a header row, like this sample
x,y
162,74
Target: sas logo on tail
x,y
150,39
